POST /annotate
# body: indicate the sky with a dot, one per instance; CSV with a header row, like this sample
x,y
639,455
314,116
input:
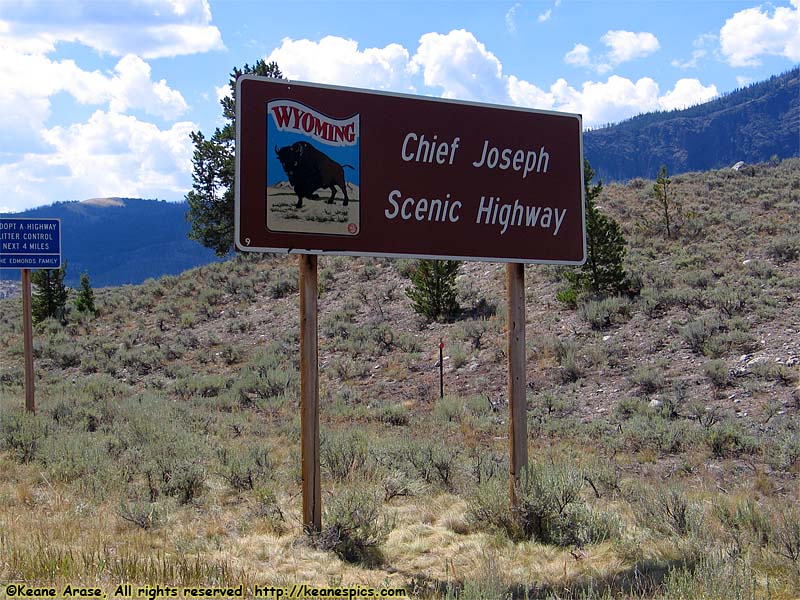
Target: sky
x,y
98,98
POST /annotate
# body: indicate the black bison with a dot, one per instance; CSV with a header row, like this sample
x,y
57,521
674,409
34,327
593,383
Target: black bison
x,y
309,169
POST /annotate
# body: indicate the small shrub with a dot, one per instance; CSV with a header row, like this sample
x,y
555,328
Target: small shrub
x,y
282,287
785,249
344,454
394,414
696,333
786,538
244,468
355,526
650,379
550,508
745,521
146,515
727,440
435,462
474,331
458,356
772,370
605,312
397,484
268,508
21,433
572,367
718,374
652,432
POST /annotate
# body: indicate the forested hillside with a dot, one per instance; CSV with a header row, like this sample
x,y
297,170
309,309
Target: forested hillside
x,y
754,124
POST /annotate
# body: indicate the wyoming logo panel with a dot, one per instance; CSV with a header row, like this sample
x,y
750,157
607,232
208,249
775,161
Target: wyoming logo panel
x,y
312,171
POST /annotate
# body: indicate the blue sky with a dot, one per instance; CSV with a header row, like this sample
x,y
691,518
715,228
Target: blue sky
x,y
98,97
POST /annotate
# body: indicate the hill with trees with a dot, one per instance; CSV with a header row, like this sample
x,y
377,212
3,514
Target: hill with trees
x,y
122,240
754,124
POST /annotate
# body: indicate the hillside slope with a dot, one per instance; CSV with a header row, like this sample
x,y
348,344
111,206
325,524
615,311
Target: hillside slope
x,y
752,124
663,430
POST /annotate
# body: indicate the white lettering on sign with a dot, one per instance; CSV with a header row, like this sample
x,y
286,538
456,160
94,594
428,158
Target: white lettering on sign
x,y
517,160
492,211
422,209
417,148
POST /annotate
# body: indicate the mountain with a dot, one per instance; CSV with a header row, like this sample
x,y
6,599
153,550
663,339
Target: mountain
x,y
753,125
122,240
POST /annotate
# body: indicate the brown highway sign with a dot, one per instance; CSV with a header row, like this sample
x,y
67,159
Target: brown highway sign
x,y
332,170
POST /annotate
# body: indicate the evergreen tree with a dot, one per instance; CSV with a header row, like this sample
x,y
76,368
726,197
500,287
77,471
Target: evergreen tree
x,y
49,300
433,288
603,273
85,300
661,194
211,199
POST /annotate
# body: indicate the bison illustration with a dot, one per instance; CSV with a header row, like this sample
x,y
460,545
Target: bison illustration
x,y
309,169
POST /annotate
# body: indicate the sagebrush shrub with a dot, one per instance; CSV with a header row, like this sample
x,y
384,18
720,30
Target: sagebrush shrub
x,y
344,454
354,526
550,507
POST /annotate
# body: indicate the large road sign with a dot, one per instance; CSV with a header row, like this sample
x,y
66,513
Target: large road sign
x,y
323,169
30,243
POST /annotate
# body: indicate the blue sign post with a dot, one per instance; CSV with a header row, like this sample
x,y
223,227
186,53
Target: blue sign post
x,y
27,244
30,243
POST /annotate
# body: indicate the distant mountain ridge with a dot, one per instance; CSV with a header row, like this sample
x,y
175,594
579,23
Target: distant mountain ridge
x,y
119,241
752,124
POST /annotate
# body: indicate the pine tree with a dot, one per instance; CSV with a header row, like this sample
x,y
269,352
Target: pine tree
x,y
433,288
211,199
661,194
50,298
603,273
85,300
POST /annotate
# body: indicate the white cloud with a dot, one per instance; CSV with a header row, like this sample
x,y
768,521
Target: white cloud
x,y
752,33
545,15
461,66
458,65
511,24
627,45
222,91
692,62
524,93
607,102
338,60
623,46
701,45
28,81
578,56
131,87
687,92
148,28
109,155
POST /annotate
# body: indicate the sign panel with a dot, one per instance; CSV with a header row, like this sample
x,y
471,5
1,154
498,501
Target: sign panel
x,y
322,169
30,243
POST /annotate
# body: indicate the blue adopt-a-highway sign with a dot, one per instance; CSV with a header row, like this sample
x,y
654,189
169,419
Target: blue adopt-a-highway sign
x,y
30,243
